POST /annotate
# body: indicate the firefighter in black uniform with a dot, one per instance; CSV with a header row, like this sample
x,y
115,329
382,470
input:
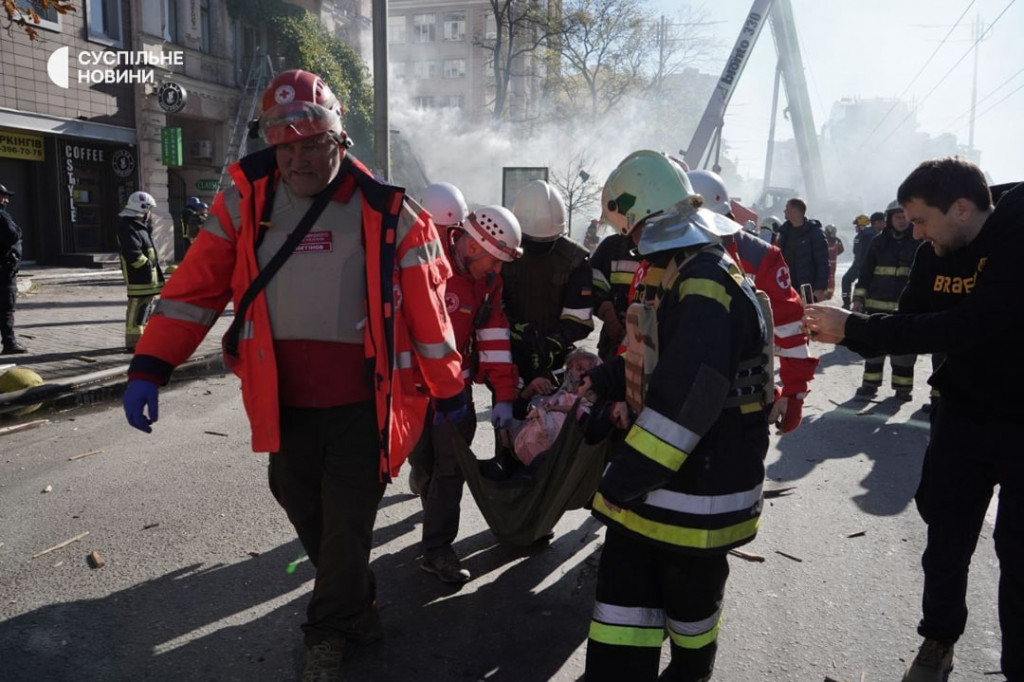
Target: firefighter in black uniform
x,y
139,264
10,261
548,292
860,242
614,263
963,299
193,216
684,487
881,280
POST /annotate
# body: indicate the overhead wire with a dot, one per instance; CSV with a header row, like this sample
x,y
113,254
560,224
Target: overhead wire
x,y
973,46
913,80
957,119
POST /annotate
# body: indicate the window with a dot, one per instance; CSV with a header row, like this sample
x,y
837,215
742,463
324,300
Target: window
x,y
454,101
396,29
455,26
454,68
49,18
490,27
424,69
204,26
171,33
425,102
104,19
424,27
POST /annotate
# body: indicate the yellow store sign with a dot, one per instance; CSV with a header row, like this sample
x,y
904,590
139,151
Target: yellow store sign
x,y
15,145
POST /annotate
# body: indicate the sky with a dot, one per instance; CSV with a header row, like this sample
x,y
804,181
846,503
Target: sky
x,y
876,48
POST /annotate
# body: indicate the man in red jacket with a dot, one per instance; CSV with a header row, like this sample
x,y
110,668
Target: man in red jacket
x,y
476,245
771,275
339,353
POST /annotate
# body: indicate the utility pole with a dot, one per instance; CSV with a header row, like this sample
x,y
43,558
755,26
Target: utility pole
x,y
381,120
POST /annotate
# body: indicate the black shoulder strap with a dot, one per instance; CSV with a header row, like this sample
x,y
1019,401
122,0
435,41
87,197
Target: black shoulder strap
x,y
320,201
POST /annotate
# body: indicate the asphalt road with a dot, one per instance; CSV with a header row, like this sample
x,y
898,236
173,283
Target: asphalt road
x,y
195,584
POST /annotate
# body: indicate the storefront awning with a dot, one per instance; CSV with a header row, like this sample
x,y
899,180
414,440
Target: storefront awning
x,y
41,123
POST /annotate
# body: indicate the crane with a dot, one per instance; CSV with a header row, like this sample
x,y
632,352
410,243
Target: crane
x,y
707,137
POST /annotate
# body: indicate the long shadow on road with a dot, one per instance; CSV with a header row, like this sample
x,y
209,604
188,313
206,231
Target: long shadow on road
x,y
521,618
854,429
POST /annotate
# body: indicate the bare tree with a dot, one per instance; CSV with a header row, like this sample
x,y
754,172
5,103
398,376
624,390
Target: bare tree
x,y
522,27
613,49
580,191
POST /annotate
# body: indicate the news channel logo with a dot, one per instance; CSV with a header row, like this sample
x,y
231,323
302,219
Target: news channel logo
x,y
109,66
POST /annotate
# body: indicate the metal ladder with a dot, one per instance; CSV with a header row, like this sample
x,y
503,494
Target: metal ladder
x,y
261,72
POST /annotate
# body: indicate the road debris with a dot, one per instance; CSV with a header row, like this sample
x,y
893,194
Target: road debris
x,y
48,489
150,525
21,427
789,556
779,492
95,560
216,433
60,545
72,458
748,556
858,534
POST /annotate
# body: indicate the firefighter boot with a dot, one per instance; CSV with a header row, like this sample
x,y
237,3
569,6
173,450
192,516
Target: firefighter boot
x,y
846,301
933,663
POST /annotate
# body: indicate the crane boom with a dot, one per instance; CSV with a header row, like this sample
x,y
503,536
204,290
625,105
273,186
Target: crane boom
x,y
714,114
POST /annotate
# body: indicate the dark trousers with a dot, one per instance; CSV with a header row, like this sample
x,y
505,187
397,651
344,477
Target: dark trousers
x,y
849,277
436,466
136,317
326,476
8,295
644,592
965,460
902,371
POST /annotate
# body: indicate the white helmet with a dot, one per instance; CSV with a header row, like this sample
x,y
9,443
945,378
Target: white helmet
x,y
770,222
445,203
709,185
540,209
138,203
496,229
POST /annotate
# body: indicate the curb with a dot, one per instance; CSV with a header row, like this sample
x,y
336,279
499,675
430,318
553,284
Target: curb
x,y
99,387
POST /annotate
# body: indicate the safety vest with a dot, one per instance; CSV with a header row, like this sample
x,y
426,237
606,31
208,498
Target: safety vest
x,y
405,276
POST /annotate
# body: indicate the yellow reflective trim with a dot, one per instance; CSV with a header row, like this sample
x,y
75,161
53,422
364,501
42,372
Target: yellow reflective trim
x,y
879,305
903,381
750,408
622,278
695,538
623,635
696,641
705,287
652,447
885,270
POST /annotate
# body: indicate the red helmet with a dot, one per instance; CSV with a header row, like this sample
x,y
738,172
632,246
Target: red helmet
x,y
298,104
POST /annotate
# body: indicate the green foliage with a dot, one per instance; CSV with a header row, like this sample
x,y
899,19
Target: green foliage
x,y
26,15
304,43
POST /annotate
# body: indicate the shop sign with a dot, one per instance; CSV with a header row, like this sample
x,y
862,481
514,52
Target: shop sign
x,y
15,145
207,184
171,146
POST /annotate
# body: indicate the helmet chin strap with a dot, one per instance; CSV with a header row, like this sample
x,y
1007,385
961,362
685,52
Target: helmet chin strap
x,y
462,260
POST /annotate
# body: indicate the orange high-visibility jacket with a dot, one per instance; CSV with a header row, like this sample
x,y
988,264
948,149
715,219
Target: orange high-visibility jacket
x,y
408,335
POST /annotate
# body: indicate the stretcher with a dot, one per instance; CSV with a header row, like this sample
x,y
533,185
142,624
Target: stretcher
x,y
525,507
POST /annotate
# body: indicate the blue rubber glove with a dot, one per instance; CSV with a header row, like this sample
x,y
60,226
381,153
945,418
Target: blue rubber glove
x,y
501,415
140,394
453,410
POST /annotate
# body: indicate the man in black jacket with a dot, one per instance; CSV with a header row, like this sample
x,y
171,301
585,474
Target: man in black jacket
x,y
10,259
961,300
803,245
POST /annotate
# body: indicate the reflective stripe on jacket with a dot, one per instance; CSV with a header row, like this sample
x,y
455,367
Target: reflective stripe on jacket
x,y
886,270
688,476
138,258
408,335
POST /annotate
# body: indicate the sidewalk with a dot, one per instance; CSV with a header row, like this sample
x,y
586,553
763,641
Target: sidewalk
x,y
72,322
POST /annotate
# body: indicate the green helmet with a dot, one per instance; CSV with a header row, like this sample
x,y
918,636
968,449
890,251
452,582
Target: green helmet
x,y
644,184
